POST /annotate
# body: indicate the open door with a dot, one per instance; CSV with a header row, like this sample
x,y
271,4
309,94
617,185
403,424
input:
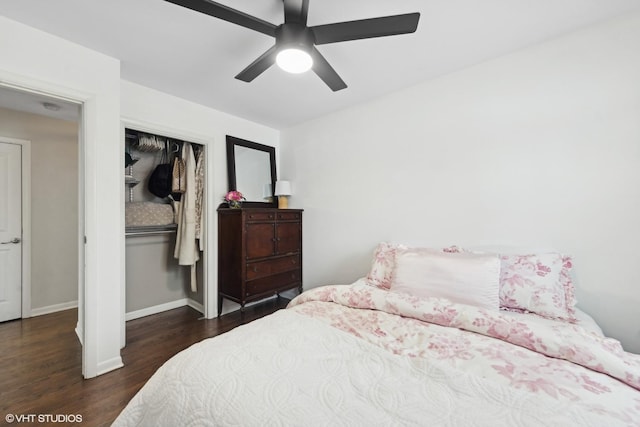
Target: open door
x,y
10,231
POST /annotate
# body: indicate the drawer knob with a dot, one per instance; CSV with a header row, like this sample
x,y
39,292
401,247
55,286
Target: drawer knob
x,y
255,269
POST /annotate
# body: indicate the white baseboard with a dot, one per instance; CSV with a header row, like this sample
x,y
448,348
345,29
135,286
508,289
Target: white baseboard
x,y
53,308
80,333
164,307
109,365
195,305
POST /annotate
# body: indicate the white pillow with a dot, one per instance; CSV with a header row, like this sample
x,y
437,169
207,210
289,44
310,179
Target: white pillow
x,y
384,261
466,278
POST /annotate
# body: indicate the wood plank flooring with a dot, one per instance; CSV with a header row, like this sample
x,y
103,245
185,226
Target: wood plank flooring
x,y
41,361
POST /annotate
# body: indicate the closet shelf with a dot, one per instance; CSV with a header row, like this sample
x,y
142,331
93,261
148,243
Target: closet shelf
x,y
131,181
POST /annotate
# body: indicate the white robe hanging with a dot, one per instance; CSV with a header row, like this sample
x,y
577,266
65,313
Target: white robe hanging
x,y
186,251
200,198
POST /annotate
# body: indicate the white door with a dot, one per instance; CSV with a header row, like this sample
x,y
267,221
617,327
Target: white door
x,y
10,231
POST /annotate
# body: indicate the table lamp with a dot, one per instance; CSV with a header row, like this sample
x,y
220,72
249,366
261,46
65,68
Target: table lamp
x,y
283,191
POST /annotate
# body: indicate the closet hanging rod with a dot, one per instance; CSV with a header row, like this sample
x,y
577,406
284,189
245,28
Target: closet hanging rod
x,y
149,230
148,233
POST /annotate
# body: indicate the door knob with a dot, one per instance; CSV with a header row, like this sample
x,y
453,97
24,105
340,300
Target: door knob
x,y
14,240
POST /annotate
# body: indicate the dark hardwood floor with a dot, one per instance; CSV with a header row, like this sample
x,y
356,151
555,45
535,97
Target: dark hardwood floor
x,y
41,361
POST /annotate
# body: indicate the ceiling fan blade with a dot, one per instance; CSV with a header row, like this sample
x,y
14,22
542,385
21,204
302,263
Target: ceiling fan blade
x,y
326,72
366,28
258,66
296,11
228,14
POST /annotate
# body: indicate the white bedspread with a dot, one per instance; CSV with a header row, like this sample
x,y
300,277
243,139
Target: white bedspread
x,y
295,368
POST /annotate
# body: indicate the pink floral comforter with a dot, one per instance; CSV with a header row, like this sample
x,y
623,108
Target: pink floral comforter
x,y
562,360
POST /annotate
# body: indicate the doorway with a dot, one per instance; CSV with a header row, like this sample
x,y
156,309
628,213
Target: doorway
x,y
42,207
154,280
10,229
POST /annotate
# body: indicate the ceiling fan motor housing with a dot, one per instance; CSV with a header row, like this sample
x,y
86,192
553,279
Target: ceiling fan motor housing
x,y
294,36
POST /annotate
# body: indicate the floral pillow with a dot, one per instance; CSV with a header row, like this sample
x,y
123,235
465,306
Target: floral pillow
x,y
538,283
383,264
384,260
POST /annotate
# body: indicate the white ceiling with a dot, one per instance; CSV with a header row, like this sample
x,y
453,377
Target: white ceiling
x,y
195,56
34,103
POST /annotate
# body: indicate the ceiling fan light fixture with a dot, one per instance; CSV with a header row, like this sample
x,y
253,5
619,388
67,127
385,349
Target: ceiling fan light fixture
x,y
293,60
295,48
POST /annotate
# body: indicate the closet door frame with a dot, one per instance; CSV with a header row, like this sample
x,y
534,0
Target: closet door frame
x,y
209,224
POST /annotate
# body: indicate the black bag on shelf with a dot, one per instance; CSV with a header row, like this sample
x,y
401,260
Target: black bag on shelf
x,y
161,178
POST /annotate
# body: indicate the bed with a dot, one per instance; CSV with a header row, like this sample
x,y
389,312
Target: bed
x,y
429,337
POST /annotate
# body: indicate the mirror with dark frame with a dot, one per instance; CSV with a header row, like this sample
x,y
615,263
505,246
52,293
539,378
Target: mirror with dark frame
x,y
252,171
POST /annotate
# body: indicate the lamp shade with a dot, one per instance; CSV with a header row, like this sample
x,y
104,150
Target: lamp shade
x,y
283,188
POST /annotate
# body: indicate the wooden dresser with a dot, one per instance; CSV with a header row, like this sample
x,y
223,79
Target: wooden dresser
x,y
259,253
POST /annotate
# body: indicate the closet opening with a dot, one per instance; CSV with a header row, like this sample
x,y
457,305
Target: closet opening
x,y
165,243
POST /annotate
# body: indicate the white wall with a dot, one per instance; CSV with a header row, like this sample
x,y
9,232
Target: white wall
x,y
37,60
540,148
54,204
153,276
171,116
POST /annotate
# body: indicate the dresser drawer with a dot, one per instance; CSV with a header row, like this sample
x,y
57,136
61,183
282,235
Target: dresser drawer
x,y
288,216
261,216
256,270
273,283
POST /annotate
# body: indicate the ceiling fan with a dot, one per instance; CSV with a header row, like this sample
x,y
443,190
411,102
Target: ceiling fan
x,y
294,50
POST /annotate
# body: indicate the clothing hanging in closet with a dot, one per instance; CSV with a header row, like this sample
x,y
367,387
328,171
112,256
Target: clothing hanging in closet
x,y
187,250
199,196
